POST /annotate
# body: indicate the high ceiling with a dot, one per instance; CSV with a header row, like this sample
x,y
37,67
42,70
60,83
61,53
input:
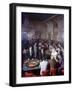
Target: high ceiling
x,y
36,16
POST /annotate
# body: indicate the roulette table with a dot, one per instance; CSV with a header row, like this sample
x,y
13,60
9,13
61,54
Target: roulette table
x,y
32,63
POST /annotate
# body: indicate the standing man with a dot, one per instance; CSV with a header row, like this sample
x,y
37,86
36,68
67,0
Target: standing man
x,y
54,54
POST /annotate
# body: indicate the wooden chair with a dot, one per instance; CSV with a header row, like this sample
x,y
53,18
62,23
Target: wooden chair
x,y
53,71
62,71
45,73
29,74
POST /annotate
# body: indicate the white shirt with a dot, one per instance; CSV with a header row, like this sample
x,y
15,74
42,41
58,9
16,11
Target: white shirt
x,y
30,50
43,66
54,53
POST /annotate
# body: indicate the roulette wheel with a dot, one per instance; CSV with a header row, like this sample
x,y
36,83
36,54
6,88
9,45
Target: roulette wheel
x,y
32,63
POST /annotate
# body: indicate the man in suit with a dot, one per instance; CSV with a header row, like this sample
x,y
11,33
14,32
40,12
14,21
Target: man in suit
x,y
53,67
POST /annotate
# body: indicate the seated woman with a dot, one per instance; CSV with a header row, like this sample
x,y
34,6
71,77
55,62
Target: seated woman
x,y
43,67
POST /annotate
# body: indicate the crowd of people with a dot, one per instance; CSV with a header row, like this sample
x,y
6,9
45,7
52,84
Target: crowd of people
x,y
49,53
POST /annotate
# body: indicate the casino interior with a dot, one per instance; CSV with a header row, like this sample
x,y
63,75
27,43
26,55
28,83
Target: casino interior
x,y
42,44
